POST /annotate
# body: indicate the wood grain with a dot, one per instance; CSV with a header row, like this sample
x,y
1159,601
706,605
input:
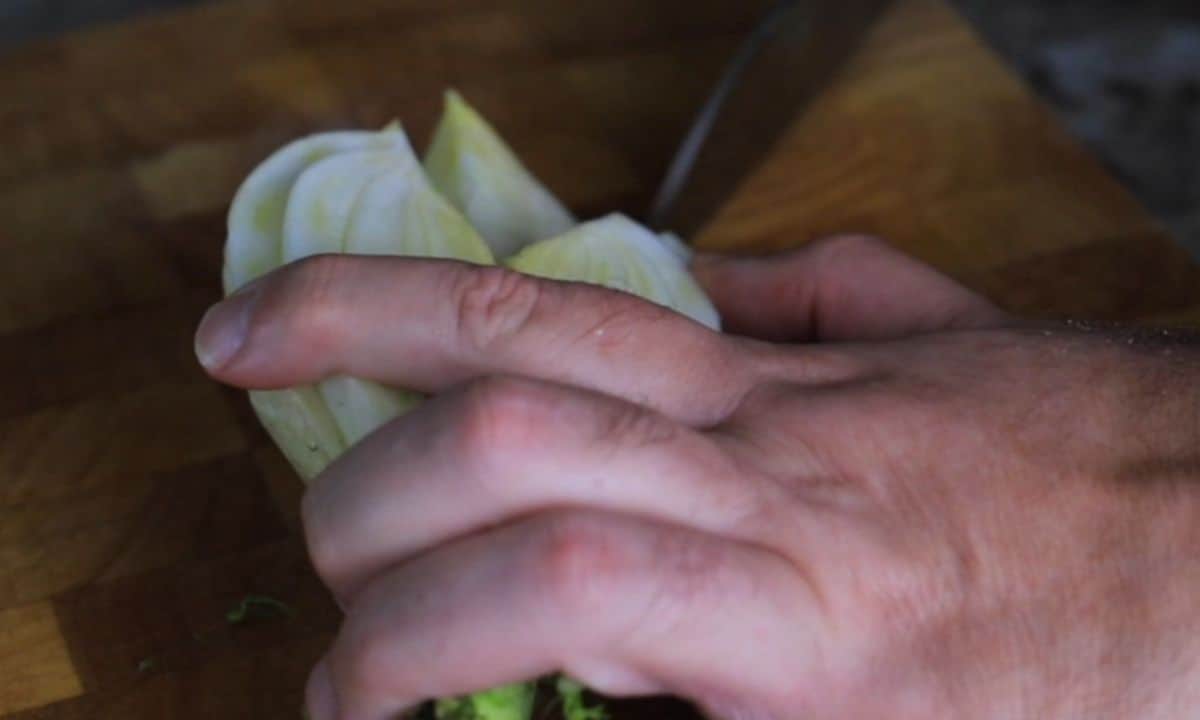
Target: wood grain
x,y
139,501
33,658
930,142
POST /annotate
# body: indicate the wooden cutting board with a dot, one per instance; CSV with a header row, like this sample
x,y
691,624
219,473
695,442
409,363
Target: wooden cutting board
x,y
140,502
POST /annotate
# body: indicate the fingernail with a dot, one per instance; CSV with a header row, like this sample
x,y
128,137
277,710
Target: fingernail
x,y
223,329
319,696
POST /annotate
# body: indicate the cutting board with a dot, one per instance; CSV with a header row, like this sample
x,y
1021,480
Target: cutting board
x,y
139,502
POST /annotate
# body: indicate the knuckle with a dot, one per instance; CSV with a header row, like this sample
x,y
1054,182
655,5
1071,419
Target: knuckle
x,y
579,565
498,416
494,304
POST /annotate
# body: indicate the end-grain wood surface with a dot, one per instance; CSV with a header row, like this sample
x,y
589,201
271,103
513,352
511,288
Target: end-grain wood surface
x,y
139,501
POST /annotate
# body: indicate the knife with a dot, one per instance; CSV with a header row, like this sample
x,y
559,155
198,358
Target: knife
x,y
787,60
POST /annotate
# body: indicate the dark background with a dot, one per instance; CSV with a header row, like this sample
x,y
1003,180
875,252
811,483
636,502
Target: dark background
x,y
1123,75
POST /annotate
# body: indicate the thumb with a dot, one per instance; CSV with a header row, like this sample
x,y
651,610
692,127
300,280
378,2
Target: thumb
x,y
845,288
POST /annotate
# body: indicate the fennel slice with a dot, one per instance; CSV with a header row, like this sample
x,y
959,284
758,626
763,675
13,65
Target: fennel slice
x,y
395,213
297,419
254,245
301,425
618,253
320,209
471,165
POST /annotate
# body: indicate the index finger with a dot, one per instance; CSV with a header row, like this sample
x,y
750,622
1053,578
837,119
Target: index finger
x,y
429,324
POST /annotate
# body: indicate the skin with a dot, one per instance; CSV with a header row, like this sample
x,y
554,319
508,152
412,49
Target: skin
x,y
876,496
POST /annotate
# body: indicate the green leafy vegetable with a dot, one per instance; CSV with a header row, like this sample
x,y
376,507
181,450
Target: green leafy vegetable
x,y
257,606
573,704
510,702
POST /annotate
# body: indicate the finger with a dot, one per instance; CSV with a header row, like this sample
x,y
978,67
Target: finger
x,y
429,324
505,447
626,606
843,288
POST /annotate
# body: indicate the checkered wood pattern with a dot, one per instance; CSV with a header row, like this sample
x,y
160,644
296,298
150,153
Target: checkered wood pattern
x,y
139,501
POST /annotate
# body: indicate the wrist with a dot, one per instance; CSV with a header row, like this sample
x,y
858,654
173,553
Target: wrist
x,y
1096,612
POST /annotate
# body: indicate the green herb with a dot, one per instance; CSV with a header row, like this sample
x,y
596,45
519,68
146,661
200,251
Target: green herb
x,y
510,702
574,706
253,606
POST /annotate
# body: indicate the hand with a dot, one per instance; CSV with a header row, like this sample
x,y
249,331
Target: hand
x,y
926,509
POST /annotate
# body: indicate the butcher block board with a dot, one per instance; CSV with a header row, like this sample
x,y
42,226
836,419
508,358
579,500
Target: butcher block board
x,y
139,502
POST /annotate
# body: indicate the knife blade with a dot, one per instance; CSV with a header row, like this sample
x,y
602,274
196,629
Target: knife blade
x,y
786,61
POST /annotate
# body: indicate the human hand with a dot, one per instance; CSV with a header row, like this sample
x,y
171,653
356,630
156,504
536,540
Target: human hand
x,y
926,509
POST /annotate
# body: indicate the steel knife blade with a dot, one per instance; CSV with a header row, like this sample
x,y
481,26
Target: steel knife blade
x,y
789,58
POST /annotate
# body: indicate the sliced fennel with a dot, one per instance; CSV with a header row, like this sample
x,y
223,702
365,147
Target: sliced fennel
x,y
301,425
471,165
618,253
296,418
333,193
375,201
319,206
254,245
398,213
677,246
359,407
318,213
